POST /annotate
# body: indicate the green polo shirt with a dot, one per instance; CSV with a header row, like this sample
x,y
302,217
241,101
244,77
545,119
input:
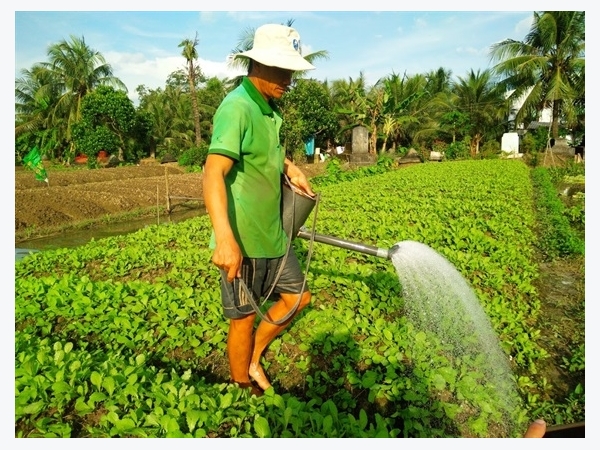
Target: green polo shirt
x,y
246,129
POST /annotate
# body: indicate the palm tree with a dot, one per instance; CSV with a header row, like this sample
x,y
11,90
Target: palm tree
x,y
375,111
191,54
349,98
388,128
407,101
547,68
439,81
212,93
35,125
74,69
481,99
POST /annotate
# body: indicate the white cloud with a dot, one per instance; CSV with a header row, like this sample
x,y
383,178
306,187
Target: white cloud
x,y
523,26
132,67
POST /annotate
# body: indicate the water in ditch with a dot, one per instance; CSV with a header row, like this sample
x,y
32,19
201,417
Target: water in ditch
x,y
76,238
440,302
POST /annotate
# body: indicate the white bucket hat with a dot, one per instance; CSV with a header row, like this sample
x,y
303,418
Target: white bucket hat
x,y
277,46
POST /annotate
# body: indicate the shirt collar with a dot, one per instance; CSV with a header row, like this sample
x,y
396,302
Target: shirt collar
x,y
266,108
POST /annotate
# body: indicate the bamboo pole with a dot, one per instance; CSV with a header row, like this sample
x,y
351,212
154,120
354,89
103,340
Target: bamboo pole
x,y
167,191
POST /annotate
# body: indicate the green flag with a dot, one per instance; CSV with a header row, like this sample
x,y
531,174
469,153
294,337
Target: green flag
x,y
33,161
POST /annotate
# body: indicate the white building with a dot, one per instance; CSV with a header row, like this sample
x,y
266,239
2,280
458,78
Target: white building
x,y
510,141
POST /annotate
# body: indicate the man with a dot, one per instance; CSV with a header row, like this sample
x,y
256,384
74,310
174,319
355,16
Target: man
x,y
242,194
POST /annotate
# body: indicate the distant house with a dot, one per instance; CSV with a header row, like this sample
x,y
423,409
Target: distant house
x,y
510,142
538,124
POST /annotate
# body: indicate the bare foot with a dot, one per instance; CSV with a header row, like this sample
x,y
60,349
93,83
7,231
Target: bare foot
x,y
248,385
257,373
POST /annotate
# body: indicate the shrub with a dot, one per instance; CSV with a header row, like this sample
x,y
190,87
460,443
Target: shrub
x,y
457,150
490,150
194,156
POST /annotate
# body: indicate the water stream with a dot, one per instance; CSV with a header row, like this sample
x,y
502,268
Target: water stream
x,y
438,300
76,238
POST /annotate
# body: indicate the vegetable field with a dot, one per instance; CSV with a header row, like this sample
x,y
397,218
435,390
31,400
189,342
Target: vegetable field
x,y
124,337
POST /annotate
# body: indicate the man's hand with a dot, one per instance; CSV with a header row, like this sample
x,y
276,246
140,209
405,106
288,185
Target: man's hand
x,y
297,177
228,257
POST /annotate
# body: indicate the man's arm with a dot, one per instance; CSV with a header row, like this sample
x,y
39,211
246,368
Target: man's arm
x,y
227,254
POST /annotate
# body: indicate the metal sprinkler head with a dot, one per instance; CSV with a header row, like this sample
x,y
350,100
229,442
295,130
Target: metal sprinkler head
x,y
393,249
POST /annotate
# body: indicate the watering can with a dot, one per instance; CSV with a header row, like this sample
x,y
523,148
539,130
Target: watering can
x,y
297,206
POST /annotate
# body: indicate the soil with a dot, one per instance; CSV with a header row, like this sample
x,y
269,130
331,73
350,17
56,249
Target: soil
x,y
80,197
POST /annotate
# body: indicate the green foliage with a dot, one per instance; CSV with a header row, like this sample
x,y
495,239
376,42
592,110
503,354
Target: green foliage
x,y
576,361
570,173
490,150
120,337
548,66
194,156
534,141
569,411
334,173
90,140
457,150
307,111
456,123
532,158
439,146
576,211
109,122
557,237
139,139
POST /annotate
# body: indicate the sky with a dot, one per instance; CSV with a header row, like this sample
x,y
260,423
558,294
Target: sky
x,y
142,47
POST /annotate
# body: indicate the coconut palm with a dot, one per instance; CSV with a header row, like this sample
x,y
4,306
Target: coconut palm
x,y
349,98
480,98
408,102
74,69
190,54
439,80
546,69
35,96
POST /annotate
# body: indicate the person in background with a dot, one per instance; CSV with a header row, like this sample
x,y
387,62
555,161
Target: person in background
x,y
242,194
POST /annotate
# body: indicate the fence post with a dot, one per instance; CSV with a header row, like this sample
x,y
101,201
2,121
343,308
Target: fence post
x,y
167,191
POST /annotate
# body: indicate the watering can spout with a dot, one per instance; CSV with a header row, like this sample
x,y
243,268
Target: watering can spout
x,y
393,249
348,245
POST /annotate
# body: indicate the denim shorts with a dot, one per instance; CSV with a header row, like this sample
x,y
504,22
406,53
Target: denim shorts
x,y
259,275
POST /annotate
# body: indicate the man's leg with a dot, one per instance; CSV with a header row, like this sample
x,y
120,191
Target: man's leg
x,y
266,332
239,348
